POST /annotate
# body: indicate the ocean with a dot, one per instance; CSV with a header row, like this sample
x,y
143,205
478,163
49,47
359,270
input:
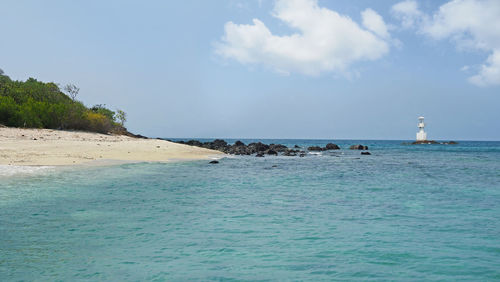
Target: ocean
x,y
423,212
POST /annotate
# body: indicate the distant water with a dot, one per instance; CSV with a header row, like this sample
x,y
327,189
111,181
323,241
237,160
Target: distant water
x,y
427,212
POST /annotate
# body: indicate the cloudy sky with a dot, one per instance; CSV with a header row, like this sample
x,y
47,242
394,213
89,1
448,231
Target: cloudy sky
x,y
269,69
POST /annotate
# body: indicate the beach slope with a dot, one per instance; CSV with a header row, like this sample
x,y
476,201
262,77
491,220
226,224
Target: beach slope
x,y
56,147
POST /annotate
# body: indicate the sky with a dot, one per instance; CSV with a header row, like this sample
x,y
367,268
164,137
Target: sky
x,y
310,69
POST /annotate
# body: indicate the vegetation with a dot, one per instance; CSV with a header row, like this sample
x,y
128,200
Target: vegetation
x,y
36,104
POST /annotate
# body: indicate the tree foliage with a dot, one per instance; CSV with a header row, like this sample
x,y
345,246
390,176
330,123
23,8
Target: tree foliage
x,y
36,104
121,116
72,91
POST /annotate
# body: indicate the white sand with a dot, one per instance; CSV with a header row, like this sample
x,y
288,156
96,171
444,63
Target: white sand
x,y
55,147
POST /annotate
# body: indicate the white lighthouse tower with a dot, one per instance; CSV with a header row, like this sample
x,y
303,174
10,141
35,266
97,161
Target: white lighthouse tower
x,y
421,135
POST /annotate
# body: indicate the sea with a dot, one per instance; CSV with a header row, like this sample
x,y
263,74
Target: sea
x,y
405,212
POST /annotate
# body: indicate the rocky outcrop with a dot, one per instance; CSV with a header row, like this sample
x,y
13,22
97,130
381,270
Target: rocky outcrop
x,y
315,148
194,143
217,144
238,150
271,152
292,152
331,146
278,147
430,142
365,153
258,148
358,147
239,143
424,142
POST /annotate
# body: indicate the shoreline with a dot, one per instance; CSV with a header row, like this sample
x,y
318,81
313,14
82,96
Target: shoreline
x,y
49,147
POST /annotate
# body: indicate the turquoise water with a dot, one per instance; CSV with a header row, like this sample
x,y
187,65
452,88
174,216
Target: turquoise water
x,y
427,212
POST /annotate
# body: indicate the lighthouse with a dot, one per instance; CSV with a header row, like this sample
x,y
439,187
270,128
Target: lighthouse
x,y
421,135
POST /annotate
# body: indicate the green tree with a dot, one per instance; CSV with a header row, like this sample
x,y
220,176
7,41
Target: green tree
x,y
121,116
101,109
37,104
72,91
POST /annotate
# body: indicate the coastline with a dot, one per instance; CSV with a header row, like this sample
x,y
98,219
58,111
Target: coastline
x,y
48,147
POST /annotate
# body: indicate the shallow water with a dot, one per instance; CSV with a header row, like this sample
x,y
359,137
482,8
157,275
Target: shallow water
x,y
428,212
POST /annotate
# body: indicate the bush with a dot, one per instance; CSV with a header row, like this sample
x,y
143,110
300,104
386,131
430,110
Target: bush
x,y
9,111
42,105
101,109
98,122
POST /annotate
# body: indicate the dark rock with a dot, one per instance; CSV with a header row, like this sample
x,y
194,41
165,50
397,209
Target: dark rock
x,y
194,143
258,147
331,146
365,153
213,162
260,155
239,143
272,152
275,165
278,147
296,146
290,153
34,139
302,155
358,147
217,144
424,142
238,150
138,136
315,148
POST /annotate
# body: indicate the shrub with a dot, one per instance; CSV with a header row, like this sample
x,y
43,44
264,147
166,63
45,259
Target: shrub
x,y
101,109
8,111
33,103
98,122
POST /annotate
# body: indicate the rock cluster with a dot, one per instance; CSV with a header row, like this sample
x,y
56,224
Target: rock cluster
x,y
329,146
358,147
260,149
239,148
434,142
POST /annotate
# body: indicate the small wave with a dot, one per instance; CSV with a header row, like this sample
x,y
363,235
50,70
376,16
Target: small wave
x,y
11,170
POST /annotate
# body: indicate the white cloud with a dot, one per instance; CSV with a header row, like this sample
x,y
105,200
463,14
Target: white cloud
x,y
407,12
489,73
325,41
374,22
471,24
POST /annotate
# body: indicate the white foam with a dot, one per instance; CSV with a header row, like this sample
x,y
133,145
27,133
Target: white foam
x,y
11,170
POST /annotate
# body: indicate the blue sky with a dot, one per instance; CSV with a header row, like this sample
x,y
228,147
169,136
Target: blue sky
x,y
178,72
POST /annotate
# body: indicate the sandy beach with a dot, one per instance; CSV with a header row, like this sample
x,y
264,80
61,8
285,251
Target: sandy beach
x,y
55,147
